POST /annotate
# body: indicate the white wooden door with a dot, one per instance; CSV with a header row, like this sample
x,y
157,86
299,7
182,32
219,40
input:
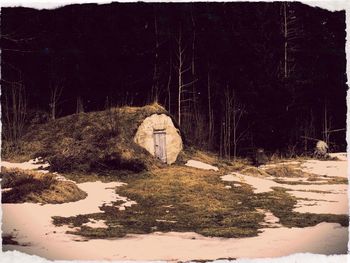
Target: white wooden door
x,y
160,145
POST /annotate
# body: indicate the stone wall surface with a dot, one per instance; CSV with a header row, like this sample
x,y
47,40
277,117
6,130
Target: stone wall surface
x,y
144,135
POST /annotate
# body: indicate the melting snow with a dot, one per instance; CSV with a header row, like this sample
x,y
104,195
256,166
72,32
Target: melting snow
x,y
96,224
328,168
260,185
20,220
30,165
201,165
341,156
270,220
274,241
323,198
324,238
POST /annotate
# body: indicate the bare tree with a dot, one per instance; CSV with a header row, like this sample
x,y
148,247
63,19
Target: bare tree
x,y
169,81
182,68
327,124
55,96
80,105
15,112
307,128
210,113
291,32
231,134
193,68
155,85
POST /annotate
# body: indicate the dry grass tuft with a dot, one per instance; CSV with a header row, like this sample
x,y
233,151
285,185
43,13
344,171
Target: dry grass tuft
x,y
286,171
253,171
33,187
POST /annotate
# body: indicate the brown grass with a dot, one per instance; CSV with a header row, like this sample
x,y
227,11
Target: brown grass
x,y
180,198
253,171
177,199
36,187
286,171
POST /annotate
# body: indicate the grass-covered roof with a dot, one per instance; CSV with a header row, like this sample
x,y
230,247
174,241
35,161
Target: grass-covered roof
x,y
94,140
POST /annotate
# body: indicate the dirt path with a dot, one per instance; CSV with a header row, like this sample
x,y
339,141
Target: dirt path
x,y
31,225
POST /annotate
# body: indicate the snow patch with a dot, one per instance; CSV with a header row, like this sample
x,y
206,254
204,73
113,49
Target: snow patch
x,y
34,164
312,197
46,239
326,168
341,156
324,238
96,224
201,165
270,220
260,185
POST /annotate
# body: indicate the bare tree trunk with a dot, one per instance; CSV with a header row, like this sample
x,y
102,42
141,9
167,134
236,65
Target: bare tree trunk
x,y
80,105
155,86
181,70
221,137
227,123
169,82
308,130
327,124
210,113
233,115
193,69
234,131
285,41
55,95
180,60
292,31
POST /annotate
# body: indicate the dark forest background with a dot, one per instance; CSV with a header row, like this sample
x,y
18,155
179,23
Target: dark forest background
x,y
248,75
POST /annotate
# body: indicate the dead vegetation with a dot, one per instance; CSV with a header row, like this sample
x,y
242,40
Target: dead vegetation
x,y
286,171
24,186
177,199
183,199
253,171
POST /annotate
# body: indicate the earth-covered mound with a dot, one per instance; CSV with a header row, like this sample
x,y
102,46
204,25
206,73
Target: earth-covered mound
x,y
92,141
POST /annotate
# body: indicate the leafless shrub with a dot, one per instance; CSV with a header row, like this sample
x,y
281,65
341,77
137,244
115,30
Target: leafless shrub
x,y
55,96
14,113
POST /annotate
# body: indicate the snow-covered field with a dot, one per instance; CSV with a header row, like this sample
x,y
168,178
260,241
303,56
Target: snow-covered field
x,y
31,225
